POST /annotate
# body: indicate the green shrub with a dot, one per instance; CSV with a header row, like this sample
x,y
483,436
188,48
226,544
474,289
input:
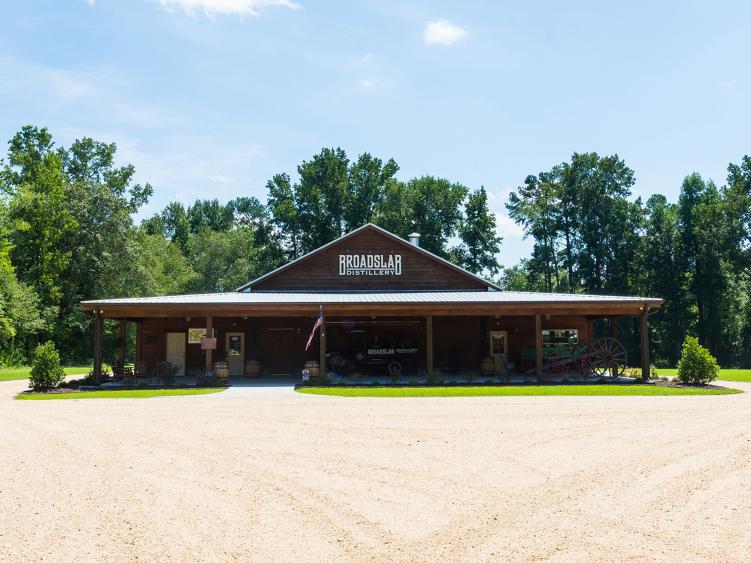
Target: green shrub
x,y
375,383
697,365
324,378
46,371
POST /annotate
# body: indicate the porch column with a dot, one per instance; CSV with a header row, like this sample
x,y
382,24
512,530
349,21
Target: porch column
x,y
613,334
645,343
429,344
322,348
122,342
538,345
138,341
98,321
209,334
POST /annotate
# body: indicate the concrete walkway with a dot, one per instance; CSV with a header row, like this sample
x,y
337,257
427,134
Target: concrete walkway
x,y
261,387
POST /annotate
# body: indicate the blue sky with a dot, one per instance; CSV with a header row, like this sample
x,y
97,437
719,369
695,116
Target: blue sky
x,y
210,98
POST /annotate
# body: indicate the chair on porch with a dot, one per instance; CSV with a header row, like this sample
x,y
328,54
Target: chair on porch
x,y
142,371
162,370
129,375
117,370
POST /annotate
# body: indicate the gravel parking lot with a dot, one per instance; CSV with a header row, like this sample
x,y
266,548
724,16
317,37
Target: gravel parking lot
x,y
283,476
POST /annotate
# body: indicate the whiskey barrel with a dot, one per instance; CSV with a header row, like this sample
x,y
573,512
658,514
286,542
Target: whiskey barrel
x,y
313,366
221,370
252,368
487,366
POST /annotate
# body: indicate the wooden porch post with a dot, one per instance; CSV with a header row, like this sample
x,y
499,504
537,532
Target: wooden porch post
x,y
121,357
98,322
138,341
209,334
645,343
538,345
322,349
613,334
429,344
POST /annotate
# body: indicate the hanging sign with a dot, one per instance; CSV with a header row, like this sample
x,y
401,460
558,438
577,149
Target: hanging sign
x,y
370,264
195,335
208,343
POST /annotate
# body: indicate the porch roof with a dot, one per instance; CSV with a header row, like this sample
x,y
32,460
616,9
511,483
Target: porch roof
x,y
425,302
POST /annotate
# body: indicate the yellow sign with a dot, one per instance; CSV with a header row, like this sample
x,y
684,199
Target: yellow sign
x,y
195,335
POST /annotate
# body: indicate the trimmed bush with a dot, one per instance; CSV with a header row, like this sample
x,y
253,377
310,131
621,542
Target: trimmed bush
x,y
697,365
46,371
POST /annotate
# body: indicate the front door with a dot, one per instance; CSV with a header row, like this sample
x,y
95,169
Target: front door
x,y
499,349
284,352
235,346
176,351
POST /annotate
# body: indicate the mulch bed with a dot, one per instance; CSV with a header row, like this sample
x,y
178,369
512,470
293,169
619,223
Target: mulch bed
x,y
687,386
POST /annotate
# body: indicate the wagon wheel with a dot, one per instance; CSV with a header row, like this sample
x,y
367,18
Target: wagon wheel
x,y
554,364
607,357
395,369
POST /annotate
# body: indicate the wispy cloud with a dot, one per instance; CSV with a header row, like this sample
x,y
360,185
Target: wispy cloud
x,y
366,84
442,32
211,8
367,58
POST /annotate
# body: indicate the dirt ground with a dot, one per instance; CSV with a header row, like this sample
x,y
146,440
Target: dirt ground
x,y
235,476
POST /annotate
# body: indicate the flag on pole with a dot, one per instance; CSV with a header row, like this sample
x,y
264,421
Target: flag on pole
x,y
316,326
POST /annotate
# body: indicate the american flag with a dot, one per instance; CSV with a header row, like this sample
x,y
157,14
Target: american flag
x,y
318,323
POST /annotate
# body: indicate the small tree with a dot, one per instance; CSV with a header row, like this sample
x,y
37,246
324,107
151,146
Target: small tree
x,y
46,371
696,365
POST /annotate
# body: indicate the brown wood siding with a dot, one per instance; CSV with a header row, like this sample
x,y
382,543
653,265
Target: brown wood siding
x,y
459,342
320,271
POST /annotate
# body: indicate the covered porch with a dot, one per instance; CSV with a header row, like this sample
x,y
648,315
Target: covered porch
x,y
368,343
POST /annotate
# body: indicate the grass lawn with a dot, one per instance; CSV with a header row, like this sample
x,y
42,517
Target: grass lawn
x,y
119,394
514,391
725,374
9,374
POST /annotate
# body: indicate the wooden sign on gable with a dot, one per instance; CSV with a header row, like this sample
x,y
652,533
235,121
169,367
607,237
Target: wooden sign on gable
x,y
368,259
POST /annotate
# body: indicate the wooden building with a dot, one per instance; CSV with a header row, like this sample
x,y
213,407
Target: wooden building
x,y
389,307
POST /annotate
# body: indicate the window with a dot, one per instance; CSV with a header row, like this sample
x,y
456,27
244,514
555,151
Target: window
x,y
560,337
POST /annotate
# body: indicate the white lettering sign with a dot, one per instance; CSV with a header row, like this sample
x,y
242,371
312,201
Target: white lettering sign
x,y
370,265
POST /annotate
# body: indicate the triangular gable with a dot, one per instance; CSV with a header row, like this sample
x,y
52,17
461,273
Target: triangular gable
x,y
368,259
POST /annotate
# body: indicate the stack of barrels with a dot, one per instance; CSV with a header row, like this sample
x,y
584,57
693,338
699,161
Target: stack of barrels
x,y
313,367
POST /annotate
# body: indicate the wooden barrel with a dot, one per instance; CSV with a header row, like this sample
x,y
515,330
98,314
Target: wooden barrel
x,y
252,368
313,366
221,370
487,366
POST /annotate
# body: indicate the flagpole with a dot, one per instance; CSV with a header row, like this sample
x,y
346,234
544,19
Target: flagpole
x,y
322,351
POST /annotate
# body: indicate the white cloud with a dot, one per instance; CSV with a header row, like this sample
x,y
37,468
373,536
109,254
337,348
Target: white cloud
x,y
225,7
442,32
366,84
507,227
90,2
367,58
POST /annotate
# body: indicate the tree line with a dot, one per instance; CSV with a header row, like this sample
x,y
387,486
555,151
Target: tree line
x,y
592,236
68,233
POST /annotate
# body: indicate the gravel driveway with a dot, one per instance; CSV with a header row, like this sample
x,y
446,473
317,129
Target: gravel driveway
x,y
301,477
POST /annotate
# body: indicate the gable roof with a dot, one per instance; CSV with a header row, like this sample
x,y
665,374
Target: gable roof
x,y
369,226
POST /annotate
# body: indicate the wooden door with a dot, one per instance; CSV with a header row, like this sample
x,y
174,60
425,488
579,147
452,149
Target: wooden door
x,y
234,345
176,351
498,343
284,355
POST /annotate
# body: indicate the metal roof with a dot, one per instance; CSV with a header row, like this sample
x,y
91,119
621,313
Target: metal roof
x,y
395,297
